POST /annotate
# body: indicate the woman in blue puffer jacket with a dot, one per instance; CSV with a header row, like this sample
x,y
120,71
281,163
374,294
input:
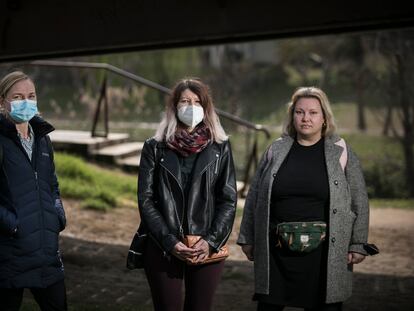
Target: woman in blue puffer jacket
x,y
31,211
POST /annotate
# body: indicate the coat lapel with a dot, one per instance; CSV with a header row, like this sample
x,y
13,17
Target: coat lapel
x,y
169,160
332,154
280,151
210,154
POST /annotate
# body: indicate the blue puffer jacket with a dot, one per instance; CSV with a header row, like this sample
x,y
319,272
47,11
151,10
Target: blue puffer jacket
x,y
29,201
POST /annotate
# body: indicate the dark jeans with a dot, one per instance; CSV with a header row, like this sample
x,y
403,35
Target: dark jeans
x,y
166,277
52,298
324,307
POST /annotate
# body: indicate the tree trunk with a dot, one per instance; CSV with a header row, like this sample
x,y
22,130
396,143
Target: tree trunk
x,y
407,106
388,121
362,124
409,165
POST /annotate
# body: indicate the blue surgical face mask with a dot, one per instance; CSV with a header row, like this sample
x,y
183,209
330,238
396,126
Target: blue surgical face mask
x,y
23,110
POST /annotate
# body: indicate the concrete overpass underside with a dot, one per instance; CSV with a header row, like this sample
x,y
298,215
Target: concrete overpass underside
x,y
59,28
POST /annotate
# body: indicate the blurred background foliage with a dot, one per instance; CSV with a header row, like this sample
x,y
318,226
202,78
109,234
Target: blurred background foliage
x,y
367,76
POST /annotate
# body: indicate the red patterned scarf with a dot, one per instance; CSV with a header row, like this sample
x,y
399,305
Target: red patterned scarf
x,y
186,143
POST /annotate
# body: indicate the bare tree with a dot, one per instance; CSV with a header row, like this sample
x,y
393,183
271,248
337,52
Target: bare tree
x,y
398,49
350,53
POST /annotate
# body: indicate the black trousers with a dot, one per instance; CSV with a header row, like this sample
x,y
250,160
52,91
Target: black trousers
x,y
324,307
166,279
52,298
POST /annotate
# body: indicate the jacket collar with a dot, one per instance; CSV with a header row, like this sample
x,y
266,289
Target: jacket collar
x,y
40,127
332,153
332,150
169,160
209,155
280,150
284,144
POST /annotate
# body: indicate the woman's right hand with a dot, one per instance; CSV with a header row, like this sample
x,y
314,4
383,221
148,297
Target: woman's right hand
x,y
248,251
182,252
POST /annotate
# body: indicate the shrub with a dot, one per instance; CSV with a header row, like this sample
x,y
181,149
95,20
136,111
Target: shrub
x,y
101,189
96,204
382,161
385,178
73,167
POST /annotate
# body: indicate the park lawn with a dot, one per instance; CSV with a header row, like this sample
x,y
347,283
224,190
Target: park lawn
x,y
97,188
392,203
105,188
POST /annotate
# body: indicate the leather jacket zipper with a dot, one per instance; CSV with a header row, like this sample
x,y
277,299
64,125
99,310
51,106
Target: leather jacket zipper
x,y
180,222
225,239
217,164
164,253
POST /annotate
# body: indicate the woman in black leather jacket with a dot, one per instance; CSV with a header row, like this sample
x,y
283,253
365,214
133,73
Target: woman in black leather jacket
x,y
186,185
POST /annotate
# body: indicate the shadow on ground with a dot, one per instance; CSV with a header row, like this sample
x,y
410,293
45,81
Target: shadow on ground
x,y
96,279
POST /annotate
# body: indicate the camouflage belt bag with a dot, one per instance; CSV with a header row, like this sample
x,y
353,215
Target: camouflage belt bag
x,y
302,237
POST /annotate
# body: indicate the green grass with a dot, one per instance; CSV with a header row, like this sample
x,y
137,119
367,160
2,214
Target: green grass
x,y
102,189
98,188
371,148
241,152
392,203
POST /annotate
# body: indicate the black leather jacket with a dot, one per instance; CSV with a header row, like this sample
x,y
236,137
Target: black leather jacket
x,y
209,206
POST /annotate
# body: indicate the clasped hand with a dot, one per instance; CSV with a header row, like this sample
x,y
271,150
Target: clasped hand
x,y
198,252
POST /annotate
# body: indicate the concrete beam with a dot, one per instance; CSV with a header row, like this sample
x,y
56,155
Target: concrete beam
x,y
57,28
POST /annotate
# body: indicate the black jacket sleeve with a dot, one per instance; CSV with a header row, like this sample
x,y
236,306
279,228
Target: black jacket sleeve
x,y
225,200
150,215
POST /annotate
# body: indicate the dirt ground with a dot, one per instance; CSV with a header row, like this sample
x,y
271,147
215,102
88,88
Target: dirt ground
x,y
95,245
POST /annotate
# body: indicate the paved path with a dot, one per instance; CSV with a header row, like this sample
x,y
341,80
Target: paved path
x,y
97,280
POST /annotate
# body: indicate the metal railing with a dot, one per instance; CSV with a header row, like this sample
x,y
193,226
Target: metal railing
x,y
252,160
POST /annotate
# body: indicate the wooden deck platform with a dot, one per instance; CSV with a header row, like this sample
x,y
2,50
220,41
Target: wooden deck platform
x,y
115,149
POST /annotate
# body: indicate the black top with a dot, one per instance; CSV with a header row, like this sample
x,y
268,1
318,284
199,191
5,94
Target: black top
x,y
186,166
300,192
186,170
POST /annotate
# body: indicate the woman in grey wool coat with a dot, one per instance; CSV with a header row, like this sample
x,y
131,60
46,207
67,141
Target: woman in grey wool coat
x,y
308,175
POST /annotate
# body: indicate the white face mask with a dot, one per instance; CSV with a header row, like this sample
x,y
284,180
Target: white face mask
x,y
191,115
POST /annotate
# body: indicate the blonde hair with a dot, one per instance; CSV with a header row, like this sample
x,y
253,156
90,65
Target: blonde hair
x,y
7,83
329,126
169,122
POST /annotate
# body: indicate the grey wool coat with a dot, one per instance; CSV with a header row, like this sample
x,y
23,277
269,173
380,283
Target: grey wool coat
x,y
348,214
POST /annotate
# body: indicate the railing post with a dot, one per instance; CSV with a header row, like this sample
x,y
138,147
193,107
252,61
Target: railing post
x,y
252,161
102,97
252,158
